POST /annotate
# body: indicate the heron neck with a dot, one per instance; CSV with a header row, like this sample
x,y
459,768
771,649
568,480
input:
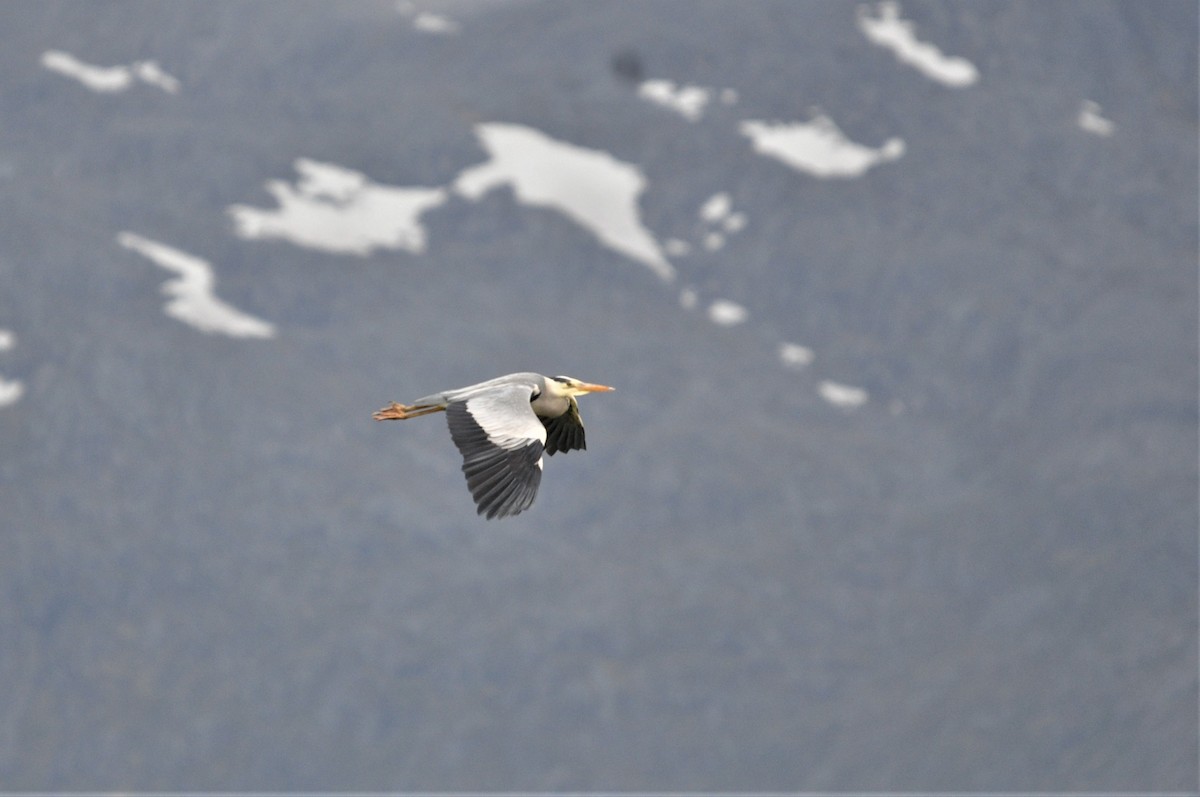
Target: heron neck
x,y
549,406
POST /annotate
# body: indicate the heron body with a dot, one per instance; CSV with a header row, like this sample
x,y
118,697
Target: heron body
x,y
502,427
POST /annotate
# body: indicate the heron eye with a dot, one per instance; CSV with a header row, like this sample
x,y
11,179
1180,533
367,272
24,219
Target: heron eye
x,y
562,379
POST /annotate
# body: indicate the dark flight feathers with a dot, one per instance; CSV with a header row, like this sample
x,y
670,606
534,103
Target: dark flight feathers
x,y
565,433
502,481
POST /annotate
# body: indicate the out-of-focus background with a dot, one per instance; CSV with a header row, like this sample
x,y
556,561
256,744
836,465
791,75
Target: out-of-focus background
x,y
898,489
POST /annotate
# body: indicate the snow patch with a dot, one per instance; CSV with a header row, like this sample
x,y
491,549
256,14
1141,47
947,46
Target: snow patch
x,y
818,147
688,298
334,209
435,24
795,356
677,248
11,390
716,207
109,79
687,101
1090,120
726,313
842,396
891,32
97,78
192,292
717,211
590,187
150,73
734,222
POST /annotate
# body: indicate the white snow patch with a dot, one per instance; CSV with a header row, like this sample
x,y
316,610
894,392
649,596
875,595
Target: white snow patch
x,y
716,211
590,187
688,298
890,31
152,74
1090,120
818,147
96,78
677,248
334,209
793,355
687,101
11,390
435,23
716,207
727,313
109,79
192,298
843,396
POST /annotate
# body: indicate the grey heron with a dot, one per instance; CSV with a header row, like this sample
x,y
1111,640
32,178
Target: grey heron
x,y
501,428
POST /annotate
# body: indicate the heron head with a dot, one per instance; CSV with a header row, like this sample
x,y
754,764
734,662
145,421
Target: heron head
x,y
570,386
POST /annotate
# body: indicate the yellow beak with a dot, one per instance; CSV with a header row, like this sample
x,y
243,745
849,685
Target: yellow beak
x,y
585,387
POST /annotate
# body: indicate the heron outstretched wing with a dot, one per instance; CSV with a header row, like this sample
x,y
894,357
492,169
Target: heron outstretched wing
x,y
565,433
501,441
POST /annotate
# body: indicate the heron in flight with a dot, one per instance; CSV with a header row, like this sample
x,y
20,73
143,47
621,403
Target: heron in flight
x,y
502,427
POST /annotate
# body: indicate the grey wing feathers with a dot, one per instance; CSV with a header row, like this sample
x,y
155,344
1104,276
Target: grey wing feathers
x,y
565,433
501,442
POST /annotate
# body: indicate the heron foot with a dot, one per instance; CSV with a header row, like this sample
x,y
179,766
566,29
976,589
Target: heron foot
x,y
392,412
399,412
